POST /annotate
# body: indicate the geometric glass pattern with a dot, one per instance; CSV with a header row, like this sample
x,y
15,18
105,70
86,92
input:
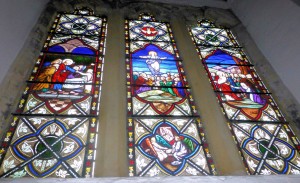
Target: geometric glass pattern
x,y
54,129
165,135
266,142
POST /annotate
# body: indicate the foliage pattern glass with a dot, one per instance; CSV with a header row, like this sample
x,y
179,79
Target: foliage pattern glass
x,y
264,138
164,130
54,129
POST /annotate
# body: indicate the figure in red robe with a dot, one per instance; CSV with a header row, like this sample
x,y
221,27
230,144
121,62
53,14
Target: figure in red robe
x,y
62,73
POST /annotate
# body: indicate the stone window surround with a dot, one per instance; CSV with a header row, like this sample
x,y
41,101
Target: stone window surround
x,y
113,99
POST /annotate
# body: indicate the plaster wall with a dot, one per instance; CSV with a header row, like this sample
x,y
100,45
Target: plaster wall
x,y
16,21
274,27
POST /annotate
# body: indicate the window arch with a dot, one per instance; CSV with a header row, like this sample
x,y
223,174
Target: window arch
x,y
164,130
266,142
54,128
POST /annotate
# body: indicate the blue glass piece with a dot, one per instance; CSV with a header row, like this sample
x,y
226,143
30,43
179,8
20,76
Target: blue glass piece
x,y
57,48
220,57
160,140
83,50
161,54
78,50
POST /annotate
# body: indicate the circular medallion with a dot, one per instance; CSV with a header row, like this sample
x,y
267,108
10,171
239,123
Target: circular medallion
x,y
48,154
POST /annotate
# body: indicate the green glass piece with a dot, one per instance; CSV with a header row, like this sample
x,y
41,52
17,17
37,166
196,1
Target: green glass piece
x,y
210,37
48,154
189,143
262,148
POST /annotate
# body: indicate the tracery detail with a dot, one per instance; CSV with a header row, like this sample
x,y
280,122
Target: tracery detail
x,y
54,129
165,135
263,136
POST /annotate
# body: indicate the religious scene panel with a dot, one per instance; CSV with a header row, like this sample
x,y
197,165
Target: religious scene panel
x,y
156,76
267,148
158,83
63,84
234,78
239,89
168,146
65,68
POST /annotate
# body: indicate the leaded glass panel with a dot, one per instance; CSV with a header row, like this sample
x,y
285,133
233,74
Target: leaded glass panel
x,y
78,24
164,130
267,148
54,129
150,31
154,140
48,147
264,138
209,36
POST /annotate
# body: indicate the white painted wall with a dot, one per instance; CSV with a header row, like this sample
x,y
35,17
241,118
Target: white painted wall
x,y
17,18
275,27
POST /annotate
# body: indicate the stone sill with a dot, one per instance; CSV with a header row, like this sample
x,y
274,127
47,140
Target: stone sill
x,y
187,179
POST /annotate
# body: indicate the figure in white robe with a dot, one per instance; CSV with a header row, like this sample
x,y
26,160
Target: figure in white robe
x,y
160,150
179,151
153,61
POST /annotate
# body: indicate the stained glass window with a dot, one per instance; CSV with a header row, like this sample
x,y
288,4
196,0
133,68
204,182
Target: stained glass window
x,y
54,129
165,135
263,136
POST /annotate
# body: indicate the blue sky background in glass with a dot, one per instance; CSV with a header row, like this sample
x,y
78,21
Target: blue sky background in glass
x,y
78,50
145,51
166,66
219,57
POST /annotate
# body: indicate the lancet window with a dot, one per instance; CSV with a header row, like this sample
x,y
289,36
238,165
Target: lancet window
x,y
165,135
264,138
54,129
